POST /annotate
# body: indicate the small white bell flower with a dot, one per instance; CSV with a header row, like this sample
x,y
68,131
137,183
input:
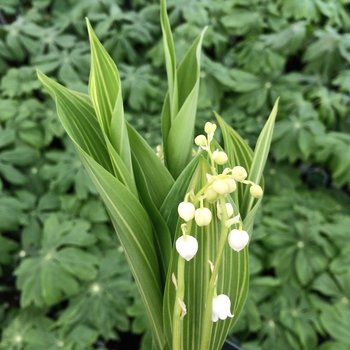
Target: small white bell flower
x,y
201,141
219,157
202,216
239,173
220,186
256,191
229,210
210,195
231,184
221,308
209,128
186,211
187,247
238,239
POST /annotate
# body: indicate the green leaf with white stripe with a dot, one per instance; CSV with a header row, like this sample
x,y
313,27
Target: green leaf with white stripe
x,y
170,62
129,218
261,152
106,95
180,106
233,274
81,124
239,153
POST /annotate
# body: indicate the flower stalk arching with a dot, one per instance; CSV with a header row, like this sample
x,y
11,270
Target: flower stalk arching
x,y
215,190
207,321
178,313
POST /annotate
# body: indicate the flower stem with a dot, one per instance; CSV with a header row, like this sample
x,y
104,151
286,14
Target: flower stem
x,y
207,322
177,317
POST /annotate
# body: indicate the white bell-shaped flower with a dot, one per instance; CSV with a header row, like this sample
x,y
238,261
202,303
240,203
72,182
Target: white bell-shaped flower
x,y
229,210
186,211
210,195
220,157
231,185
202,216
239,173
256,191
209,128
201,141
220,186
221,308
187,247
238,239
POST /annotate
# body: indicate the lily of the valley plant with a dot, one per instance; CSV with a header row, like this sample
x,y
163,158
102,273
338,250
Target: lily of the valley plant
x,y
185,221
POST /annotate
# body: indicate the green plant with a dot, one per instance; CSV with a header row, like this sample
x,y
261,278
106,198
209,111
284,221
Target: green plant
x,y
142,196
270,45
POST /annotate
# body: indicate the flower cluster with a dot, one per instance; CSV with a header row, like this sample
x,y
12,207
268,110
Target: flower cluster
x,y
216,191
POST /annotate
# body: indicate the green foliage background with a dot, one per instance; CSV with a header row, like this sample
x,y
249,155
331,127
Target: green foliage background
x,y
64,281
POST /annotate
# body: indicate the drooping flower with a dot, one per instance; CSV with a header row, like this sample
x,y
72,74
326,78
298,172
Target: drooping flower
x,y
256,191
210,195
231,184
238,239
220,157
202,216
224,186
186,210
221,308
209,128
239,173
201,141
187,246
220,186
229,210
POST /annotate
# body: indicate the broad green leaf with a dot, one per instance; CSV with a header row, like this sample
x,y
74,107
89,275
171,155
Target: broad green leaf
x,y
6,247
176,195
162,238
332,345
106,96
158,178
239,153
259,160
336,318
178,130
103,302
128,216
77,262
134,230
79,120
197,271
170,61
154,182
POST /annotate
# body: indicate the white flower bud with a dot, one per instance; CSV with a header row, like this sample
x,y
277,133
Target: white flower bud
x,y
229,210
187,247
220,157
200,141
239,173
202,216
220,186
209,128
221,308
256,191
186,211
238,239
210,195
231,184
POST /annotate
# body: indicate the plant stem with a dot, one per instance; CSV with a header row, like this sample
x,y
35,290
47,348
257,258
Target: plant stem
x,y
207,322
180,291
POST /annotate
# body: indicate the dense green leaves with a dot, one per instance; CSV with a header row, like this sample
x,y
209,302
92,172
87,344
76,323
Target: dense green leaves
x,y
295,50
56,269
